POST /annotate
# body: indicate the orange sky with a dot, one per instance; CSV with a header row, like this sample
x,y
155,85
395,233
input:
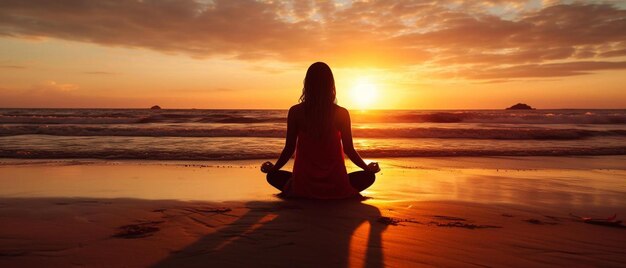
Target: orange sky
x,y
254,54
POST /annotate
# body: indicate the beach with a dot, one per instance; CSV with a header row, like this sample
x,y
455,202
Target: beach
x,y
450,212
151,133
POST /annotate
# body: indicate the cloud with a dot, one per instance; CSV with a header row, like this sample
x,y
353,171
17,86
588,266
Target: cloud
x,y
17,67
494,39
542,70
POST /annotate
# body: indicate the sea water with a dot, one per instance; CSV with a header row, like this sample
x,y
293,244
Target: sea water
x,y
196,134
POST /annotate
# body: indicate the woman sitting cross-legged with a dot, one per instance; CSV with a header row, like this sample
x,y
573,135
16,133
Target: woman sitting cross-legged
x,y
319,132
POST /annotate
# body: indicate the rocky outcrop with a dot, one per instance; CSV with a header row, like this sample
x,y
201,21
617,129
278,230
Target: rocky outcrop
x,y
520,106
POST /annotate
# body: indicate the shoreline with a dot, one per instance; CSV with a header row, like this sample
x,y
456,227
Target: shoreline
x,y
497,179
548,161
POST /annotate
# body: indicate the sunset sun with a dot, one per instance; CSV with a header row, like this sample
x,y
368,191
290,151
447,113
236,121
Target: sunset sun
x,y
364,93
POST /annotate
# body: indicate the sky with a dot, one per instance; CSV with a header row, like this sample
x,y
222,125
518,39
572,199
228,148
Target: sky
x,y
219,54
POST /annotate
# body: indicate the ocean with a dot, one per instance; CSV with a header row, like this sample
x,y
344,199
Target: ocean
x,y
197,134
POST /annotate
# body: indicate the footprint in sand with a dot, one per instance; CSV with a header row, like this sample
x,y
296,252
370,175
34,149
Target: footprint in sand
x,y
540,222
139,230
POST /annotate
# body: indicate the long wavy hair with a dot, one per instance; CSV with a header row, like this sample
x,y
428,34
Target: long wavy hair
x,y
319,99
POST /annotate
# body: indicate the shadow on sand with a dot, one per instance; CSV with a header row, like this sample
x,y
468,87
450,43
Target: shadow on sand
x,y
291,233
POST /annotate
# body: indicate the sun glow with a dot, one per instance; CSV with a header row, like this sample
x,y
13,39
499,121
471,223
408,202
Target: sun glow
x,y
364,93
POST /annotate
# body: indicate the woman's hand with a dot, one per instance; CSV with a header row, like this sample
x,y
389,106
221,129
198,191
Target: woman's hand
x,y
373,167
267,167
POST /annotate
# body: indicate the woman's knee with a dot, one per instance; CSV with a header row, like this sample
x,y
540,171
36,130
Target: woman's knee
x,y
361,180
278,178
365,175
370,177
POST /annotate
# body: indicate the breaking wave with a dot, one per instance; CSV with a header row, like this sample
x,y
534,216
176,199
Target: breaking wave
x,y
137,116
278,130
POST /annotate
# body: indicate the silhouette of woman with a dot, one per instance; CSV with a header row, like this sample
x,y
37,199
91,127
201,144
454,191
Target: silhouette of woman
x,y
320,130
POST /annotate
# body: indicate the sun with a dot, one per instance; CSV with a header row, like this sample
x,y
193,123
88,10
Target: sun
x,y
364,93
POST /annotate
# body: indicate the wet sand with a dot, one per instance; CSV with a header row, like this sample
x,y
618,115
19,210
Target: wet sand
x,y
420,212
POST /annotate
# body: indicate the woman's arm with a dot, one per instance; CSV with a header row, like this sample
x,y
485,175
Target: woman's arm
x,y
346,139
290,141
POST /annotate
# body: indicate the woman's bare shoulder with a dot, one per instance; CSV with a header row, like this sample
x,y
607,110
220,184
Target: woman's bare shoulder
x,y
298,108
341,111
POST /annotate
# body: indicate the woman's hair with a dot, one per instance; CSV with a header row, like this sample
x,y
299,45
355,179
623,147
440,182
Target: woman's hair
x,y
319,98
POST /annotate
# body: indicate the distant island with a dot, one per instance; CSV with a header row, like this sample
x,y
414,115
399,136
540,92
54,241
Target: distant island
x,y
155,107
520,106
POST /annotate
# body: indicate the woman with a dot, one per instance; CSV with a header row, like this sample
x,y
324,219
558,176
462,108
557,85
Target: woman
x,y
318,127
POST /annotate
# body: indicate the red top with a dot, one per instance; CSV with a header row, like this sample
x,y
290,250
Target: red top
x,y
319,170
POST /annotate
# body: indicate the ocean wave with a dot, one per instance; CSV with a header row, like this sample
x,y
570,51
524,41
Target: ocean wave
x,y
497,117
95,116
369,153
56,119
278,131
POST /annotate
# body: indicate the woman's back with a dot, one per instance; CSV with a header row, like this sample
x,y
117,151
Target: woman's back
x,y
319,170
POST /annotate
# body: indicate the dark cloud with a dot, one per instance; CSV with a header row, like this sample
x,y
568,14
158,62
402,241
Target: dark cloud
x,y
458,35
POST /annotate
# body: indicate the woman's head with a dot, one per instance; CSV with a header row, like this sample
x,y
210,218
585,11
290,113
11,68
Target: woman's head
x,y
318,97
319,86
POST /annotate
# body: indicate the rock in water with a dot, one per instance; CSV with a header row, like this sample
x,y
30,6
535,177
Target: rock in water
x,y
155,107
520,106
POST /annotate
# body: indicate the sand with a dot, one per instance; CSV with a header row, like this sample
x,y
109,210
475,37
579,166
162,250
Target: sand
x,y
455,212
